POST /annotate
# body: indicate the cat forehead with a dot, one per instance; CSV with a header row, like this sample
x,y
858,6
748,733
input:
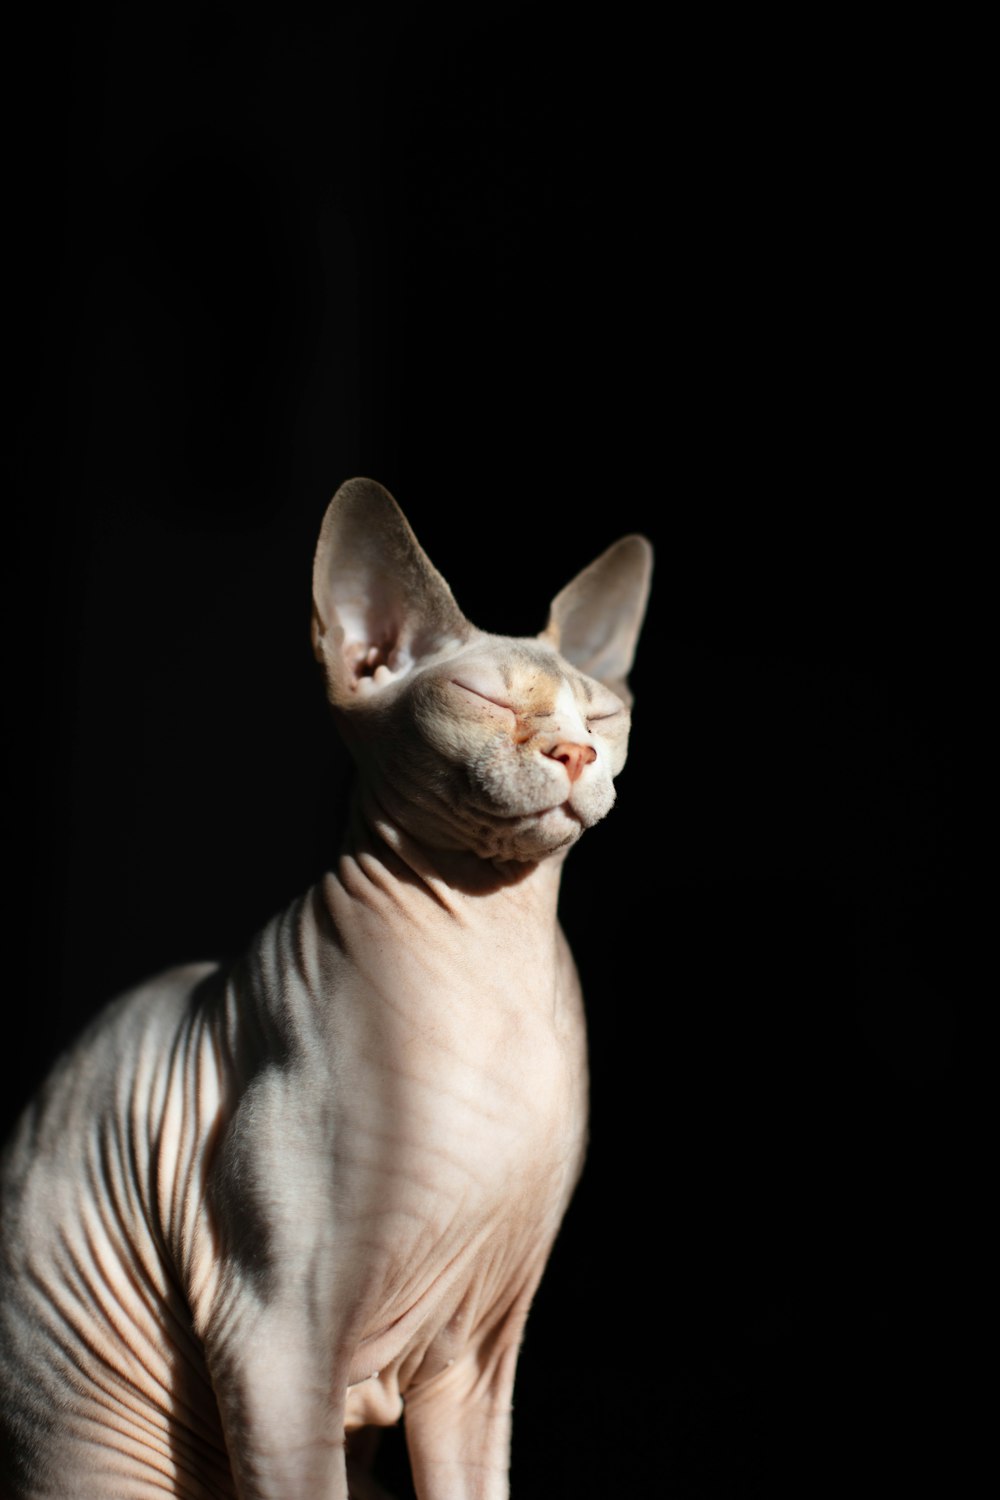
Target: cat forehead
x,y
529,668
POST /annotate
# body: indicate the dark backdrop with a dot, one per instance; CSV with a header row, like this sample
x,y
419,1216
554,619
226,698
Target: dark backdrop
x,y
550,276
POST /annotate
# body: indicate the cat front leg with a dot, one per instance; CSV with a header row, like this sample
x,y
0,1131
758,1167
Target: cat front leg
x,y
458,1425
281,1394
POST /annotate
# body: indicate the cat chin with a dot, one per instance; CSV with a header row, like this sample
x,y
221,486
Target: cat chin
x,y
537,836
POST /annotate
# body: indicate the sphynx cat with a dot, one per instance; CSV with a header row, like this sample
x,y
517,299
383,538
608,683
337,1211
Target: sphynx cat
x,y
259,1209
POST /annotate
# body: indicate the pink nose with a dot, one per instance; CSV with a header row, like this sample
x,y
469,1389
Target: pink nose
x,y
573,757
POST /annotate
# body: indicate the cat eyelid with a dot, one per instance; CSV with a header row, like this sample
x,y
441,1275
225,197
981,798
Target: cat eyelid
x,y
486,697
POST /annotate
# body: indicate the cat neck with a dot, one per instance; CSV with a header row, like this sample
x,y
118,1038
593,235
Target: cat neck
x,y
451,878
394,919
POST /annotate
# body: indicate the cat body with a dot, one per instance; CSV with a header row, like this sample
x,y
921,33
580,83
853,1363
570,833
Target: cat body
x,y
258,1209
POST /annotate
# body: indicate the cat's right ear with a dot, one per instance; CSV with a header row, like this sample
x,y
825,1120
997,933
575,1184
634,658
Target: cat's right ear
x,y
379,604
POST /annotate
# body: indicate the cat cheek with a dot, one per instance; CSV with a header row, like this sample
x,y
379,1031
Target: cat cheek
x,y
613,747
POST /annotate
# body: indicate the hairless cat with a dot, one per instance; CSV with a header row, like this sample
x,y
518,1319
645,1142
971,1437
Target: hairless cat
x,y
258,1209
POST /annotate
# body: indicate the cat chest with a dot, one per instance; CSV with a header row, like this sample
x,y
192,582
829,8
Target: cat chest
x,y
485,1158
429,1168
440,1300
432,1145
468,1307
468,1091
401,1134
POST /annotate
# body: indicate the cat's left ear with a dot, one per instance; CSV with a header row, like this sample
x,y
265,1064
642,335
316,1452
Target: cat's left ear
x,y
595,620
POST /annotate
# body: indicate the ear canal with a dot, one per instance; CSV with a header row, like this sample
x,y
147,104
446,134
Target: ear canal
x,y
595,620
378,601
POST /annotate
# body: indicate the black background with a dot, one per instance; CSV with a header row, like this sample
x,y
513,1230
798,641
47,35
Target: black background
x,y
550,276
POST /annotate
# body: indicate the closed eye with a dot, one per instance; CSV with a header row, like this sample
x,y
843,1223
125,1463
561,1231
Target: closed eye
x,y
495,703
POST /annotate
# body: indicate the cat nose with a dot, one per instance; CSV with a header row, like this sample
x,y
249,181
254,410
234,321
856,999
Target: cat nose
x,y
573,757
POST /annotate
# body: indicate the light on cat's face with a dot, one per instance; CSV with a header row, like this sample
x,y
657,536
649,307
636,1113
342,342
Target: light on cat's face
x,y
512,751
500,747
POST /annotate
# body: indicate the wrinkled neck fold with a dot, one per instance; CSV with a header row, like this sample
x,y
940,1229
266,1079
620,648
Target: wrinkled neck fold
x,y
448,876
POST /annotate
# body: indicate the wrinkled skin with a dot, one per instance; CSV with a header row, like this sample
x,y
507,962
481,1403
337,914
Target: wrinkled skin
x,y
257,1210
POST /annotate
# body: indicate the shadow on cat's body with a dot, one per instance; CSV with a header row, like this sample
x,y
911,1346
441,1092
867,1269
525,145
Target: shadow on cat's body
x,y
257,1207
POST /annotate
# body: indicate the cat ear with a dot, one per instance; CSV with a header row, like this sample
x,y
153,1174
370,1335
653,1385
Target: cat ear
x,y
379,604
595,620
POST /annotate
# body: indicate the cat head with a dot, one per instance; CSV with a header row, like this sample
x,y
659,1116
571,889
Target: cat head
x,y
499,746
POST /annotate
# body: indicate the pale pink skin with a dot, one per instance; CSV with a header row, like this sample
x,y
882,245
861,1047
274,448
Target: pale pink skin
x,y
255,1211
